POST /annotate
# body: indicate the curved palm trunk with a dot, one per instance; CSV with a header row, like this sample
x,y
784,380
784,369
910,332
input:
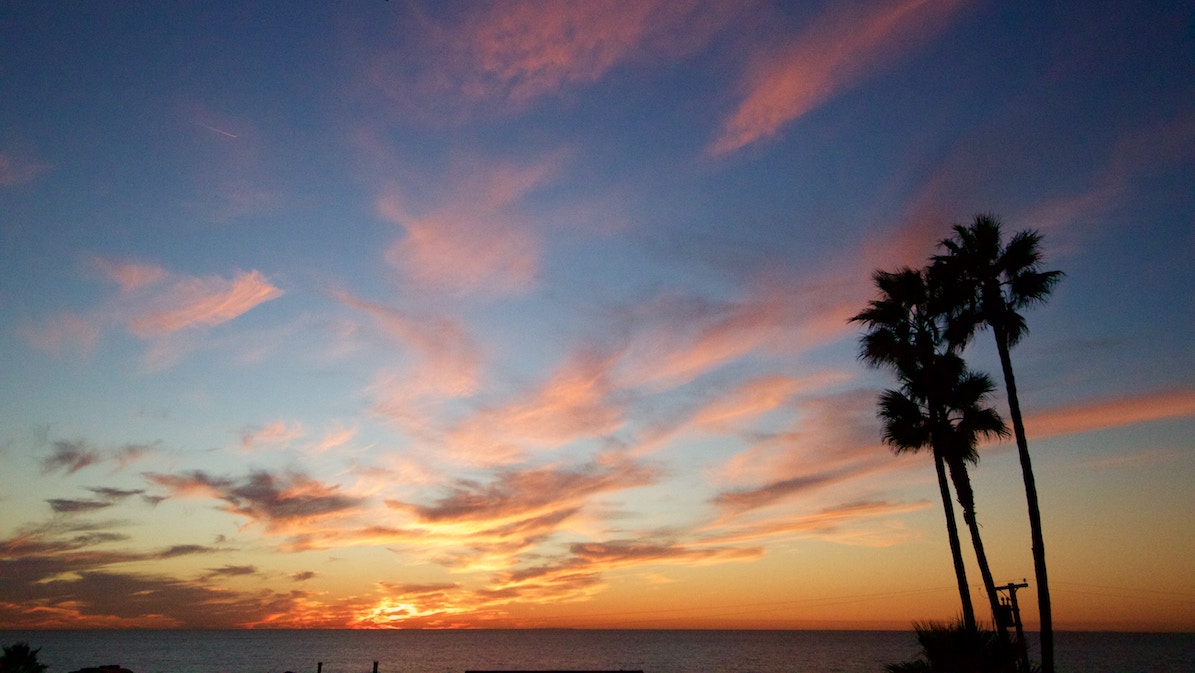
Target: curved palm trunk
x,y
956,550
1039,549
966,497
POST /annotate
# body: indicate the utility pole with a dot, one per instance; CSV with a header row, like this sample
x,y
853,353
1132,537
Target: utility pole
x,y
1013,614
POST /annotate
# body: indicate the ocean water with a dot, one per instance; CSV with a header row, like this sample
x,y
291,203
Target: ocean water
x,y
649,651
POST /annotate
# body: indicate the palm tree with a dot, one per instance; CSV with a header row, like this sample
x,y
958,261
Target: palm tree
x,y
20,658
967,392
953,648
939,405
993,282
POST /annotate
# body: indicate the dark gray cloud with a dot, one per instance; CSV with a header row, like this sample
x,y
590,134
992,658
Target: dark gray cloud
x,y
114,494
65,506
232,571
70,456
184,550
262,496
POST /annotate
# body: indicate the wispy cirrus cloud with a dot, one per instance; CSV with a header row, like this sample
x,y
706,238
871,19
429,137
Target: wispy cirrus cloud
x,y
129,275
192,302
277,433
488,524
153,304
575,403
675,339
448,361
501,57
519,495
620,553
853,523
848,43
1112,413
475,237
753,398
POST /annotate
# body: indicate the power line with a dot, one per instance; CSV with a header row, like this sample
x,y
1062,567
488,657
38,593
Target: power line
x,y
756,607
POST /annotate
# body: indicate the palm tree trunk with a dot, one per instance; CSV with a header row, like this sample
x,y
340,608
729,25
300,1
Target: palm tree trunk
x,y
956,550
1039,550
966,496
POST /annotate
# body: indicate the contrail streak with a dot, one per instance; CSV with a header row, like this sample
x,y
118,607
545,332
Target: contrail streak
x,y
220,131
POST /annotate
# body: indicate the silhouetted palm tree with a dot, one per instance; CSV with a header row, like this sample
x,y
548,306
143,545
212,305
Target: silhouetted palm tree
x,y
952,648
939,404
991,283
20,658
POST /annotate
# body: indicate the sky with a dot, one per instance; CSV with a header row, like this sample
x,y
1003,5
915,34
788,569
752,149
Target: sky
x,y
386,314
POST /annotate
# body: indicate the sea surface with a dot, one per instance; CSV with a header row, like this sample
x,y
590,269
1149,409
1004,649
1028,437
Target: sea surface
x,y
147,651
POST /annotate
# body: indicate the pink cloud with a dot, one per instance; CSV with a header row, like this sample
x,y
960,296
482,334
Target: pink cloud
x,y
1092,416
505,55
475,239
833,438
205,301
754,398
276,433
130,276
336,437
846,44
682,339
448,362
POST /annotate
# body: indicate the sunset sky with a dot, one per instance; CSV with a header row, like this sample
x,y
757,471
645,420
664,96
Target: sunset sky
x,y
528,314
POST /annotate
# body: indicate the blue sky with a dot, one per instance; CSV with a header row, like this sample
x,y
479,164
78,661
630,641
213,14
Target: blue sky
x,y
521,314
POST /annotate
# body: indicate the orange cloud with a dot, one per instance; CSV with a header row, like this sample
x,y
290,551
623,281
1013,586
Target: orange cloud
x,y
516,497
574,404
1088,417
205,301
625,553
334,437
846,44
